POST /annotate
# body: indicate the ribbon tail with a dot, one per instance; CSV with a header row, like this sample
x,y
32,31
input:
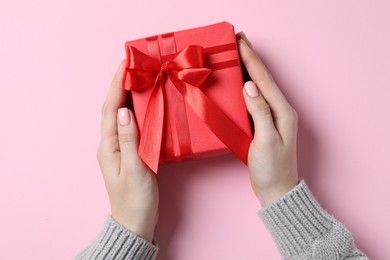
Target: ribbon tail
x,y
216,120
152,129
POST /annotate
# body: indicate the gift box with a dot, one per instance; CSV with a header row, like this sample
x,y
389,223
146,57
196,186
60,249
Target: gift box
x,y
186,88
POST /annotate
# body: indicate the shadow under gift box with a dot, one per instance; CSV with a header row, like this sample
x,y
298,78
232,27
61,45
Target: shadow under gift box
x,y
185,136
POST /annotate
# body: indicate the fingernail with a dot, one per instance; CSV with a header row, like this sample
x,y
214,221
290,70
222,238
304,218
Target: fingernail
x,y
242,41
124,117
251,89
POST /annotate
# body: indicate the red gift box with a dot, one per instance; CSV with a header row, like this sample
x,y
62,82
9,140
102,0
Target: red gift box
x,y
186,88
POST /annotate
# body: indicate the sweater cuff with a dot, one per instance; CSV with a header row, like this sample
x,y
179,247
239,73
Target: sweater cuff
x,y
117,242
296,220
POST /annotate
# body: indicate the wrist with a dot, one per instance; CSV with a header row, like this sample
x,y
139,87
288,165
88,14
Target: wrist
x,y
143,227
269,195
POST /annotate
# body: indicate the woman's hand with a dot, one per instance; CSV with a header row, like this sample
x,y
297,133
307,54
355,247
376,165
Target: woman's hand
x,y
131,185
272,157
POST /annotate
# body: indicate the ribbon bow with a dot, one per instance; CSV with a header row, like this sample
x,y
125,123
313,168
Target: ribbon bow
x,y
187,73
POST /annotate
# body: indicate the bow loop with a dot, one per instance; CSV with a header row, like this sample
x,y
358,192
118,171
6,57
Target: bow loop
x,y
138,60
190,57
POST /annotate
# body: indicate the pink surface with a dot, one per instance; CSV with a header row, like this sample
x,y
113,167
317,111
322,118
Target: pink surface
x,y
57,59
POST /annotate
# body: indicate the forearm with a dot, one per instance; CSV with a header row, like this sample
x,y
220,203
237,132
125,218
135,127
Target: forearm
x,y
117,242
304,230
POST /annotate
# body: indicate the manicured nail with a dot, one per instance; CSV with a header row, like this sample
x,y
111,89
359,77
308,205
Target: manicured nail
x,y
242,41
123,115
251,89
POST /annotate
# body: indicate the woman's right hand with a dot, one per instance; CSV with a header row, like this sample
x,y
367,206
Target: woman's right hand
x,y
272,159
131,185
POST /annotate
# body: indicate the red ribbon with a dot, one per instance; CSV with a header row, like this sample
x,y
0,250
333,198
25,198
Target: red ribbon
x,y
187,73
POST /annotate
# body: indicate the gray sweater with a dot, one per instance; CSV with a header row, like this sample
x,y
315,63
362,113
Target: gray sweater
x,y
298,224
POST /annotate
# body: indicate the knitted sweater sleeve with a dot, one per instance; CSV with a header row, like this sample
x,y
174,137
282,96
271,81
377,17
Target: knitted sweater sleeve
x,y
304,230
117,242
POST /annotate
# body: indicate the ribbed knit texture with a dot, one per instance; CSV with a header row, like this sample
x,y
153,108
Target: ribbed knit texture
x,y
117,242
303,230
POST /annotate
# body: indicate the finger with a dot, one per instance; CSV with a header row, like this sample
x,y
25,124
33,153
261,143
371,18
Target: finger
x,y
116,98
128,140
284,115
242,35
260,112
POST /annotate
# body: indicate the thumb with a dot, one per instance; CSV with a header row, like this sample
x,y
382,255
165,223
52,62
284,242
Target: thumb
x,y
260,111
128,139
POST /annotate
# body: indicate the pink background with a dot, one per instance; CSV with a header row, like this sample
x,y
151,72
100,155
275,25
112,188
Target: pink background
x,y
57,59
